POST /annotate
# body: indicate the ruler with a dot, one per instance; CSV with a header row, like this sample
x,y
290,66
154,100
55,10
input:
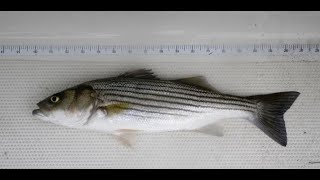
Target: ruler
x,y
159,50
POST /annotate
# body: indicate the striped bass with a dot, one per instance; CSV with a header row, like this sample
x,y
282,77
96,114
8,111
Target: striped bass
x,y
139,102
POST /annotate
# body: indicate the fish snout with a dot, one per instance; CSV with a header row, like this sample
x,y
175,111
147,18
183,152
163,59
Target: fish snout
x,y
38,113
35,112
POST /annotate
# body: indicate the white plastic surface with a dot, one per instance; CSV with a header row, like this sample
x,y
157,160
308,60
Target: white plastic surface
x,y
159,27
26,142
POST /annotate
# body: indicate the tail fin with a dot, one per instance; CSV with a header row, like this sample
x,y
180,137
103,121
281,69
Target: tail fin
x,y
271,108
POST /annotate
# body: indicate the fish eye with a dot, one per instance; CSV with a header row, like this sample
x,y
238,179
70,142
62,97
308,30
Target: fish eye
x,y
54,99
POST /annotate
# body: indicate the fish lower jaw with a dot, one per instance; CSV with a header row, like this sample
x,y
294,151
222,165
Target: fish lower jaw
x,y
38,113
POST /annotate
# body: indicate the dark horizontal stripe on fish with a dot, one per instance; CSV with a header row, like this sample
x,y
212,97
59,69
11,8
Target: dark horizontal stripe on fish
x,y
149,105
182,87
137,82
147,111
170,84
227,102
163,84
223,98
172,108
170,102
136,115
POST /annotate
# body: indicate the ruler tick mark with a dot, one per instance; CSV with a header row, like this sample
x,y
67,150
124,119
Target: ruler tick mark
x,y
159,50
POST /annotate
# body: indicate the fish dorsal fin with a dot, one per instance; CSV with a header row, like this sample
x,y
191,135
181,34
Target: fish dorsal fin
x,y
215,129
198,81
140,74
126,137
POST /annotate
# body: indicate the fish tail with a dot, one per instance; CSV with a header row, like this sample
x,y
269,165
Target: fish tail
x,y
270,111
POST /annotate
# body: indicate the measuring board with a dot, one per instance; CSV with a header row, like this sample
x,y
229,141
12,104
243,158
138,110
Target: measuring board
x,y
160,50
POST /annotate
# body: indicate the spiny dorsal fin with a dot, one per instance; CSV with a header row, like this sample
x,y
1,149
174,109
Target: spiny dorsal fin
x,y
198,81
140,74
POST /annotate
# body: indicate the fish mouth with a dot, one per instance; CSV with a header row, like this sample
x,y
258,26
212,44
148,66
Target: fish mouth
x,y
37,112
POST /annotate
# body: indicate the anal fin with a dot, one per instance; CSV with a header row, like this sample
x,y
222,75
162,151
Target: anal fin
x,y
126,137
215,129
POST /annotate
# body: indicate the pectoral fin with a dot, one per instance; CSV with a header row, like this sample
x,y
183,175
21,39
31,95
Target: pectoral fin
x,y
215,129
114,109
126,137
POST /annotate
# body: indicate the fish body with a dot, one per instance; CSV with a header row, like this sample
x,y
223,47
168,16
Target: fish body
x,y
158,105
137,101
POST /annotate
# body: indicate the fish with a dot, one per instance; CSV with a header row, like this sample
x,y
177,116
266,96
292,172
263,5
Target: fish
x,y
139,102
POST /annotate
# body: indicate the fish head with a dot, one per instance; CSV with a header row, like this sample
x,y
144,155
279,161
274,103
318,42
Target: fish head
x,y
71,107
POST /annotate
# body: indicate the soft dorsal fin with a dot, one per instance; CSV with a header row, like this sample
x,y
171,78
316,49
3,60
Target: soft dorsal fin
x,y
198,81
140,73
